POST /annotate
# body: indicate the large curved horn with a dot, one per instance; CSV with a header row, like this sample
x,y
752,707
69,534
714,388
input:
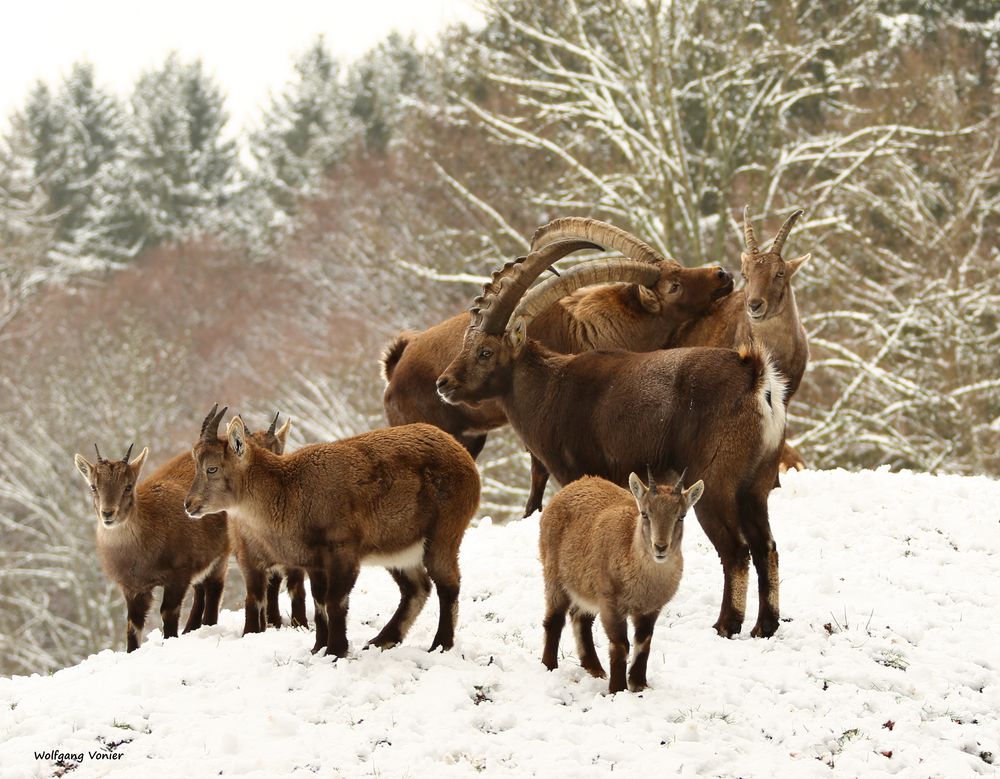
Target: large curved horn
x,y
274,424
605,235
491,311
584,275
782,234
210,427
128,453
748,236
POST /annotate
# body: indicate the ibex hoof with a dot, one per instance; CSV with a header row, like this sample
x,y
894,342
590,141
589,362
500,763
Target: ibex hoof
x,y
765,628
728,628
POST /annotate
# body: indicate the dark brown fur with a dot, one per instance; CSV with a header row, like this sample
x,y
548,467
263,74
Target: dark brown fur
x,y
615,316
717,412
152,543
398,497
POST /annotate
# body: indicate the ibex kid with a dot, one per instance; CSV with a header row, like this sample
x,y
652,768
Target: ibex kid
x,y
606,552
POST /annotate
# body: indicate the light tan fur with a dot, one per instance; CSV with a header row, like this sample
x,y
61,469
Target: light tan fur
x,y
608,552
145,540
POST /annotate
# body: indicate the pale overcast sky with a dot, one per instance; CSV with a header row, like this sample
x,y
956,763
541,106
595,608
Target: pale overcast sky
x,y
248,45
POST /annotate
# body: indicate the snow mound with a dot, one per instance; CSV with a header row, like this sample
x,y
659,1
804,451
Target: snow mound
x,y
888,663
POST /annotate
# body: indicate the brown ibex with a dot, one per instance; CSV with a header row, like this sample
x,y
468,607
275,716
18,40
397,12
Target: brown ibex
x,y
637,316
144,540
605,551
718,412
253,562
400,498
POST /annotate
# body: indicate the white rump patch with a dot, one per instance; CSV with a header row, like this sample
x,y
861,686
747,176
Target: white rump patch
x,y
771,400
407,557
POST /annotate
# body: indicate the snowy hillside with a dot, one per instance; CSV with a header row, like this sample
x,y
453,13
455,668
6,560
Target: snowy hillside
x,y
889,663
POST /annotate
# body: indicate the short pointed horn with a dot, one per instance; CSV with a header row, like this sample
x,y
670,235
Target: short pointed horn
x,y
782,234
210,427
649,476
748,235
491,311
584,275
274,424
99,458
680,481
607,236
128,454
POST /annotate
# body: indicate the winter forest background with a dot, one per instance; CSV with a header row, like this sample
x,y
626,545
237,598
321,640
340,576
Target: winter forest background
x,y
154,260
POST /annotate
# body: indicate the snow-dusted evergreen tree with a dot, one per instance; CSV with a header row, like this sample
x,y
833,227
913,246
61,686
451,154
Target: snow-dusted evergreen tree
x,y
178,171
305,130
379,84
66,140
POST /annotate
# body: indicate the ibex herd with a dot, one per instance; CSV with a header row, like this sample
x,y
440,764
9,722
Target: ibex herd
x,y
613,368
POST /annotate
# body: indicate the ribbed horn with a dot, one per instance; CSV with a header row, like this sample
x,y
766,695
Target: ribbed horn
x,y
748,235
491,311
782,234
649,476
210,427
99,458
680,481
584,275
128,454
605,235
274,424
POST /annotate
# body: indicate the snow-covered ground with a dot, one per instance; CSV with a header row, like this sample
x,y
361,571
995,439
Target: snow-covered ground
x,y
888,663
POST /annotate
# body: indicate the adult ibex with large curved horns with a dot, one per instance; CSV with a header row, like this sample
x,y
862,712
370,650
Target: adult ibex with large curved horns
x,y
640,315
717,412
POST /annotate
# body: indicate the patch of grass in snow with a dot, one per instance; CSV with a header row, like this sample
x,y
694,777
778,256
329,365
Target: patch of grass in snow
x,y
122,725
892,658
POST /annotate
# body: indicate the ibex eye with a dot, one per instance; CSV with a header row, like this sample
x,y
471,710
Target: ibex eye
x,y
128,488
485,354
212,469
93,488
674,288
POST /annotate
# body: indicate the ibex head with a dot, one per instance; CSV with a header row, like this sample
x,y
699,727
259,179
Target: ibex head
x,y
767,277
661,512
221,463
112,485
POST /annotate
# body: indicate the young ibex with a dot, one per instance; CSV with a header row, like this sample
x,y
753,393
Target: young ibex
x,y
144,540
618,555
260,574
637,316
717,411
400,498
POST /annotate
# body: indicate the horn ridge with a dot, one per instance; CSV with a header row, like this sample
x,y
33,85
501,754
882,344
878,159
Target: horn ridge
x,y
606,235
585,274
99,458
748,234
782,234
508,287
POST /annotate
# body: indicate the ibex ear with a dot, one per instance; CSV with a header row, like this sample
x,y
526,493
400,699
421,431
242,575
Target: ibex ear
x,y
236,432
635,484
693,493
648,299
517,334
138,462
793,265
84,466
282,435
